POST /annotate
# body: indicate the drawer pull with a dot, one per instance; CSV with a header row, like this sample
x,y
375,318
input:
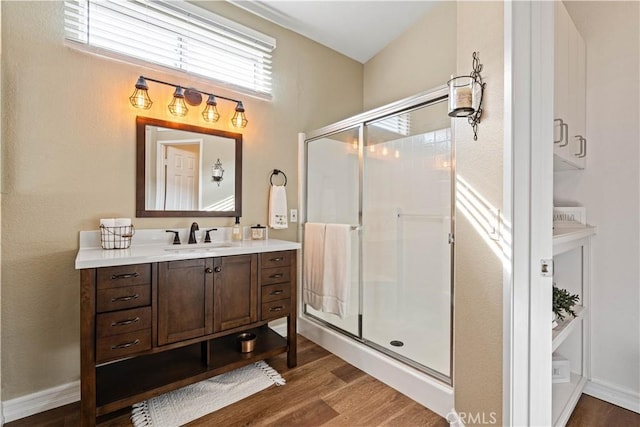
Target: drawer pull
x,y
278,308
124,276
276,276
278,292
127,298
125,345
126,322
276,259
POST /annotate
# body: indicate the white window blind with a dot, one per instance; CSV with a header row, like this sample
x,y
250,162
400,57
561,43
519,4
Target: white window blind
x,y
177,35
400,124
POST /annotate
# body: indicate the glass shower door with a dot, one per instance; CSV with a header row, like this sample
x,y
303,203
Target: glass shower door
x,y
333,197
406,218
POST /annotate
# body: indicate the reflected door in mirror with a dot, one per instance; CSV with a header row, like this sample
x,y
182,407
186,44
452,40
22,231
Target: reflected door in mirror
x,y
175,170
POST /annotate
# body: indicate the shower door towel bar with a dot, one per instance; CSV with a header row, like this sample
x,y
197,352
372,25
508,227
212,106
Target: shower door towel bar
x,y
425,216
355,227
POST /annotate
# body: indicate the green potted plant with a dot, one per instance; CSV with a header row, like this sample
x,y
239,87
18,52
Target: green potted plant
x,y
563,303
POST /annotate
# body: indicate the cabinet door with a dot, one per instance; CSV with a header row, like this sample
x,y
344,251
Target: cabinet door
x,y
235,291
569,93
579,101
561,81
185,292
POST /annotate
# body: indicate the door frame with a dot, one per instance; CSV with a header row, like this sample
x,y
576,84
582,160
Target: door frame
x,y
528,190
161,150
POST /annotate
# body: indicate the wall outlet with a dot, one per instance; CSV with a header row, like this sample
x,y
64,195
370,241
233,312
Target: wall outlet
x,y
293,215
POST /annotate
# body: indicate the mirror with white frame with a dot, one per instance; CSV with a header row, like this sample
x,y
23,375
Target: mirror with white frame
x,y
185,170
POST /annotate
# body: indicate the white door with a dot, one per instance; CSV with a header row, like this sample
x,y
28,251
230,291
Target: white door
x,y
181,179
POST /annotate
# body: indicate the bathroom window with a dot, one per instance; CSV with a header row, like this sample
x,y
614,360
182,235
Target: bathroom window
x,y
174,34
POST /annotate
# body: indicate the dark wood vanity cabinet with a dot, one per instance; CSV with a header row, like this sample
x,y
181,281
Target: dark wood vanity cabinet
x,y
184,299
150,328
235,291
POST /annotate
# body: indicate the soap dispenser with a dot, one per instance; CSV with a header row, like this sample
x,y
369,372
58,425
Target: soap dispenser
x,y
236,230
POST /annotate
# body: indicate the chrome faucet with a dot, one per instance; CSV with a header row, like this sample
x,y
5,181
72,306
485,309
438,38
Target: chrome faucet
x,y
192,233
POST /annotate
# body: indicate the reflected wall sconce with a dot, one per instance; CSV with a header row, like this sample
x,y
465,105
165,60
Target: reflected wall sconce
x,y
217,172
465,95
183,96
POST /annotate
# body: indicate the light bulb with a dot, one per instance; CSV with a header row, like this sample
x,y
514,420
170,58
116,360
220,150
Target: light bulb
x,y
385,151
397,154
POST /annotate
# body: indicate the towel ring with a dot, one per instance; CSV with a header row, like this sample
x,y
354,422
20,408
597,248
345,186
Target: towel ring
x,y
277,172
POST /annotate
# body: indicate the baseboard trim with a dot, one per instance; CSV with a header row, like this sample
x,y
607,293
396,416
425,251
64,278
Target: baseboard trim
x,y
425,390
40,401
627,399
280,328
453,418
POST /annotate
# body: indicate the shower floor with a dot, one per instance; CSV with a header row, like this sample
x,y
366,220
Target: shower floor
x,y
422,343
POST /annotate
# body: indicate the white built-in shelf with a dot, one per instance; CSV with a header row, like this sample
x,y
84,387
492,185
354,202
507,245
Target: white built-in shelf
x,y
565,398
565,239
566,326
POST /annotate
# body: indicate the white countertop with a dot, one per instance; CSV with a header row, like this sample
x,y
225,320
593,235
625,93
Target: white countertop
x,y
155,246
566,238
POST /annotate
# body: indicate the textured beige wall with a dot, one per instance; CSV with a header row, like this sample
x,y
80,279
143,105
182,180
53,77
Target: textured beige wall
x,y
422,58
439,45
68,142
478,270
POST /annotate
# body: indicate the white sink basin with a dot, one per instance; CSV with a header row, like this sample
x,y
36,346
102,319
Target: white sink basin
x,y
198,247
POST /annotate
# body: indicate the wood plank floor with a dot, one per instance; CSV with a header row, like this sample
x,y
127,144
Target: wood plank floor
x,y
324,390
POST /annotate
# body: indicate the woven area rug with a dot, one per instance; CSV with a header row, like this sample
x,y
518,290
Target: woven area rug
x,y
180,406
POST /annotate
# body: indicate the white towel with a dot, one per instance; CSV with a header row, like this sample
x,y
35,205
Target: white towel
x,y
107,233
278,207
313,261
327,267
122,222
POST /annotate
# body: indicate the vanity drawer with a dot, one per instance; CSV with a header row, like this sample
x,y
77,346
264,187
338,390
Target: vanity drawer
x,y
276,292
109,348
121,298
275,259
123,275
123,321
275,309
270,276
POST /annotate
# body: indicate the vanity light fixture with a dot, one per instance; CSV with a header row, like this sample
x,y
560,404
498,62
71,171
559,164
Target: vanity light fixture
x,y
239,120
210,112
217,172
140,97
177,106
182,97
465,95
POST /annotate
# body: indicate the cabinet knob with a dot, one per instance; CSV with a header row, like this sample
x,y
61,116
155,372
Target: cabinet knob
x,y
208,270
217,269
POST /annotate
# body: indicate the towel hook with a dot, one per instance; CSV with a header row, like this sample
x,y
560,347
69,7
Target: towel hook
x,y
277,172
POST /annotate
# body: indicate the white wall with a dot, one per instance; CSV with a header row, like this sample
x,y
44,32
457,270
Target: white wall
x,y
609,187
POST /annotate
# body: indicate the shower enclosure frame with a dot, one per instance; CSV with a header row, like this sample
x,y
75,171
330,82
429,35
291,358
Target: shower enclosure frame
x,y
360,121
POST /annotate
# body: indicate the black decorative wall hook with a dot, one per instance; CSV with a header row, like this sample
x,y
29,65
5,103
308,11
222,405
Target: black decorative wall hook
x,y
474,119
